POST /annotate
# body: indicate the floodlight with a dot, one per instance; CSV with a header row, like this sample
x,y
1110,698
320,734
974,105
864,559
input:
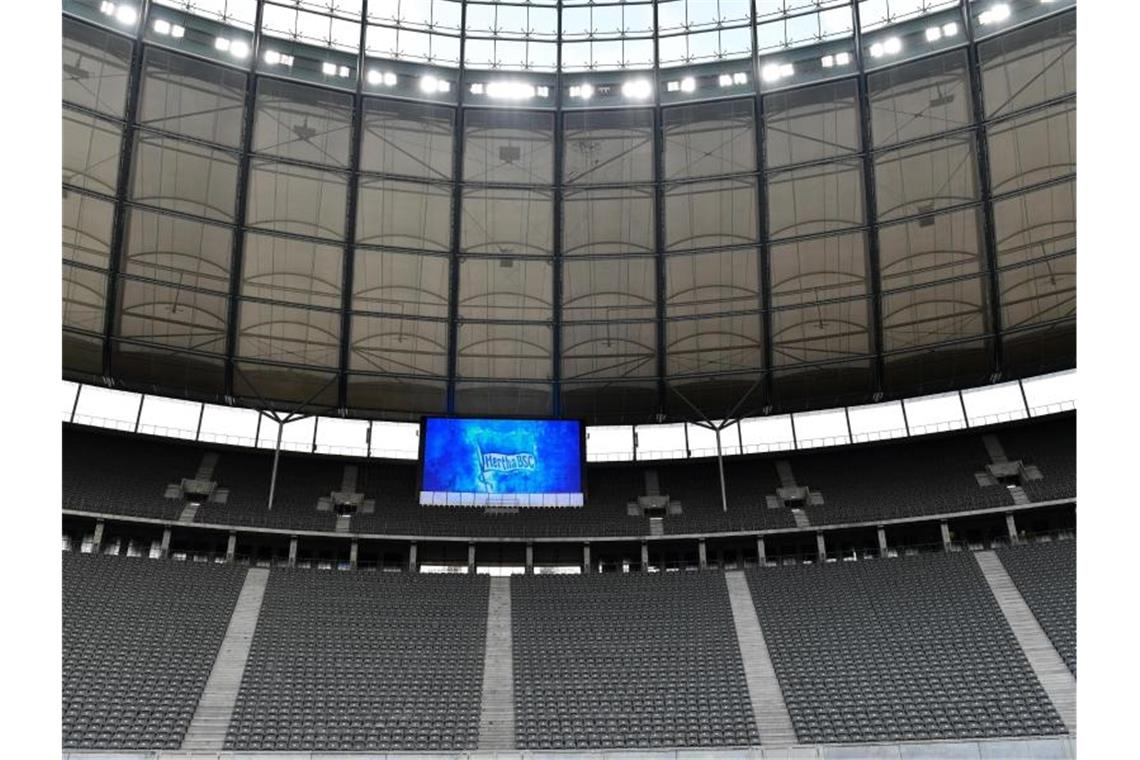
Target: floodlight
x,y
374,77
877,50
583,91
688,84
827,61
389,79
429,83
995,14
949,30
476,88
126,15
770,72
328,69
543,91
933,34
511,90
787,70
892,45
725,80
177,31
239,49
106,8
221,43
637,88
343,71
842,59
162,26
740,78
272,57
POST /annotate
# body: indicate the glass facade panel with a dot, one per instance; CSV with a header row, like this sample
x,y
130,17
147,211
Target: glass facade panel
x,y
1039,146
708,140
710,214
507,220
609,289
607,147
815,199
505,288
811,124
920,99
90,152
607,220
178,251
516,147
403,214
296,199
1030,65
393,345
87,229
404,284
192,98
185,177
925,177
409,139
95,68
292,271
303,123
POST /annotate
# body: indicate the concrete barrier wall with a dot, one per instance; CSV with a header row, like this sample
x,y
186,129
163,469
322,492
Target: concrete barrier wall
x,y
1049,748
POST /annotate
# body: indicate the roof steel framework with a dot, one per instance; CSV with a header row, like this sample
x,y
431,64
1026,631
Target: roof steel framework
x,y
1011,280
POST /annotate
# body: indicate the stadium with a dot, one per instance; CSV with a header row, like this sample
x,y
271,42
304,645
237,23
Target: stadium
x,y
569,378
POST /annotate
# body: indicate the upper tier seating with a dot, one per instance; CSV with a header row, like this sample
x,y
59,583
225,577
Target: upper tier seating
x,y
897,650
903,478
640,660
919,476
351,661
1051,445
1046,576
139,639
301,481
122,474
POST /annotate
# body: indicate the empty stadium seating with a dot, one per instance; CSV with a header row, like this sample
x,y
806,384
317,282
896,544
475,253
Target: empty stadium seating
x,y
640,660
1050,445
897,650
139,639
301,481
362,661
123,474
1046,576
920,476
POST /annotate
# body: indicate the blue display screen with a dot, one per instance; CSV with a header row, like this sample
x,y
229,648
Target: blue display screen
x,y
502,457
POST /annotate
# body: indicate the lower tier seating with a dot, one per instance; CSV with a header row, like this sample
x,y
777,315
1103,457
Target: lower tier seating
x,y
1046,576
897,650
639,660
139,639
351,661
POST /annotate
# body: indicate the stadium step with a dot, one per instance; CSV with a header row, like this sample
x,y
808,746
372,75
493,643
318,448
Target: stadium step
x,y
784,470
656,526
652,484
994,448
497,716
773,722
1051,671
188,513
1019,495
206,467
211,719
343,523
348,481
801,518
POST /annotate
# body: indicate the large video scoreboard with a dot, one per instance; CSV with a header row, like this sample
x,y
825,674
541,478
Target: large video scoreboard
x,y
501,462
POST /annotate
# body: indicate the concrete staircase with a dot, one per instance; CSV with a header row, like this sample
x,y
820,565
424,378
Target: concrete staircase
x,y
1019,495
768,707
348,480
656,526
1050,669
206,466
994,448
801,518
207,731
497,719
188,513
784,470
343,522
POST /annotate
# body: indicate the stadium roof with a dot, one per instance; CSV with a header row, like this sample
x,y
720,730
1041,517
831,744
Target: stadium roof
x,y
820,204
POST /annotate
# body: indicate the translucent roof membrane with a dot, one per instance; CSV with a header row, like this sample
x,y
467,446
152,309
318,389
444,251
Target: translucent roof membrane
x,y
623,212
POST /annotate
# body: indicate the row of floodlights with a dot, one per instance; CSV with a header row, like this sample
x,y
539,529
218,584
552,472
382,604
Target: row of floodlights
x,y
636,89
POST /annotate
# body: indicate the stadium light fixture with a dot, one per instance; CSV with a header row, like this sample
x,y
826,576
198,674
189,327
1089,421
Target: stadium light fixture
x,y
725,80
511,90
950,29
584,91
328,69
688,84
889,46
386,78
774,72
274,58
167,29
638,89
431,84
126,15
933,33
239,49
107,8
994,15
740,78
838,59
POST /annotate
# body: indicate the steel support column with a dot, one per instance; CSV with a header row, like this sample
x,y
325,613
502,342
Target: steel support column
x,y
556,294
231,546
123,188
456,217
985,191
413,563
659,224
164,547
764,255
292,551
348,266
870,208
241,205
1011,527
